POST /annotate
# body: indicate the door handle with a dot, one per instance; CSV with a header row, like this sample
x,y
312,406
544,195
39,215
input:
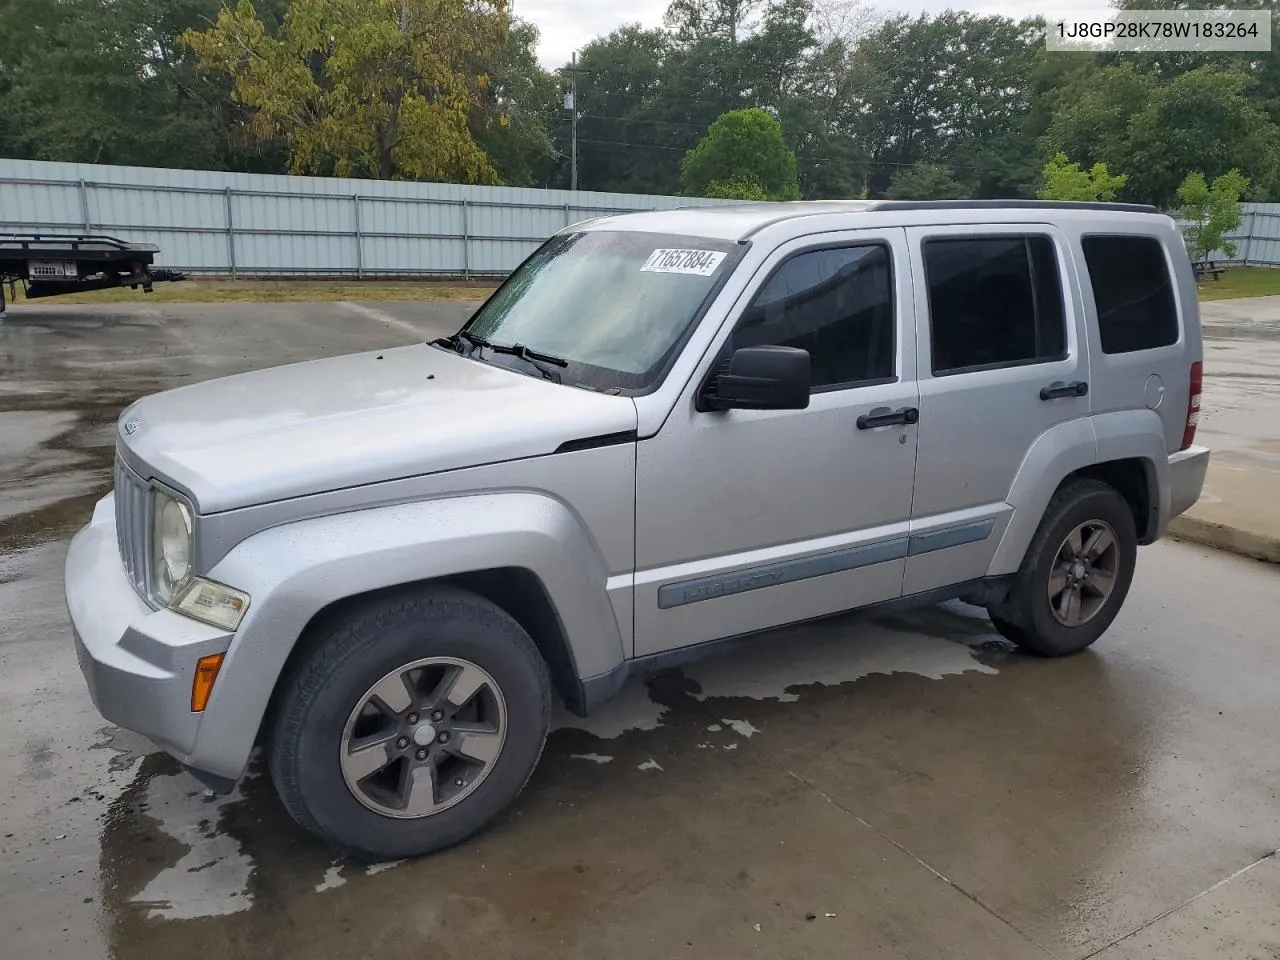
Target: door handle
x,y
887,418
1059,390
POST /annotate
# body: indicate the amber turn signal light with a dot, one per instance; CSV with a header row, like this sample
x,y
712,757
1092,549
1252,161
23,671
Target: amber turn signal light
x,y
202,686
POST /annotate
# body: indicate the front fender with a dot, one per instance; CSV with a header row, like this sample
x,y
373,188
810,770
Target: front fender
x,y
292,572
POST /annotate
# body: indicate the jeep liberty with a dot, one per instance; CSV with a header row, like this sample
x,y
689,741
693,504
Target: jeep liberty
x,y
663,430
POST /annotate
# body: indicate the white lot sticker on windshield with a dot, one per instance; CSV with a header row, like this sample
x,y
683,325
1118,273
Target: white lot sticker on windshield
x,y
697,263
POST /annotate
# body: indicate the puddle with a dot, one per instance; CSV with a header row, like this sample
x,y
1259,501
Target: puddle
x,y
593,757
333,879
631,709
67,438
774,666
742,728
52,522
211,879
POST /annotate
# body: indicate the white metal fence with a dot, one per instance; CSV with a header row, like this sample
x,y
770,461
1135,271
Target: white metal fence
x,y
1258,239
248,225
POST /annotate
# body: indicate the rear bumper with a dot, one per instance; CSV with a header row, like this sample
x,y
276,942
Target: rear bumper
x,y
138,663
1187,470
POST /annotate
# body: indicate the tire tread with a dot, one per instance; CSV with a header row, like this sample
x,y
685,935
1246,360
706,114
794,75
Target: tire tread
x,y
350,637
1015,619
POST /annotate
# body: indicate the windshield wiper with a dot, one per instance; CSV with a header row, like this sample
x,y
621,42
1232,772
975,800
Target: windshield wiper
x,y
455,341
524,353
470,338
533,358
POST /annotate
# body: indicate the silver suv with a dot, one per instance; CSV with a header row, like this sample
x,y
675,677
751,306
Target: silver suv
x,y
663,430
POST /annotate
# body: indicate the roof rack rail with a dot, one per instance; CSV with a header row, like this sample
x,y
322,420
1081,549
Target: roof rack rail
x,y
1011,204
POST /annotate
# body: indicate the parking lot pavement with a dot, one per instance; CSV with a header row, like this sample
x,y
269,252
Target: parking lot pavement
x,y
899,786
1240,422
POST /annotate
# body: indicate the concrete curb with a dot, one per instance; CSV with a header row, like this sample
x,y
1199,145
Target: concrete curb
x,y
1258,546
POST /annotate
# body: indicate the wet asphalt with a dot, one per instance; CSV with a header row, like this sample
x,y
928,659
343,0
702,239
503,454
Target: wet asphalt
x,y
897,786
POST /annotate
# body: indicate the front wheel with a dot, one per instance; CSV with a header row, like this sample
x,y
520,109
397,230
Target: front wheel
x,y
1076,573
411,724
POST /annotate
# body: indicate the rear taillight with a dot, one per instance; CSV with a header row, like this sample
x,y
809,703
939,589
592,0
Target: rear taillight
x,y
1193,404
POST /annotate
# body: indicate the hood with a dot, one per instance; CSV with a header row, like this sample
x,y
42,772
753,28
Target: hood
x,y
327,424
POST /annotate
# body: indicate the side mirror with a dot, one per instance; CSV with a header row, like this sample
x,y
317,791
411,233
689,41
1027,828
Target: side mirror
x,y
761,378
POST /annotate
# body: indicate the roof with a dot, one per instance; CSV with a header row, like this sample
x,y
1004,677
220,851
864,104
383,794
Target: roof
x,y
740,221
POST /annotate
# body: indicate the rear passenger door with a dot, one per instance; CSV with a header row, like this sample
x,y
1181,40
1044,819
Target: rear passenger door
x,y
1001,360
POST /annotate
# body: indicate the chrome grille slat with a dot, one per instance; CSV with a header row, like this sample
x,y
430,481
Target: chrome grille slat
x,y
132,525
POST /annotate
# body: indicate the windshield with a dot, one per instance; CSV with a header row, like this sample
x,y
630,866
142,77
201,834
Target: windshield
x,y
615,306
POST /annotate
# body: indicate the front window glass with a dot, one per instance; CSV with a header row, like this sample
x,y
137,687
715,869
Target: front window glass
x,y
616,306
838,305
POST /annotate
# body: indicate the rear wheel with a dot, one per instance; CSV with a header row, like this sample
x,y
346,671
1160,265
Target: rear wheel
x,y
1076,573
411,725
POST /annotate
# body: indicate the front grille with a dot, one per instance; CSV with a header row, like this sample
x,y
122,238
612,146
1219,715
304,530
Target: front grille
x,y
132,506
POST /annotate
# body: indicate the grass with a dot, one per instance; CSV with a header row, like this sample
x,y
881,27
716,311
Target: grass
x,y
1242,282
280,291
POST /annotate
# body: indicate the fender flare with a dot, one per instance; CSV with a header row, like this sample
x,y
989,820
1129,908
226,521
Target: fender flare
x,y
294,571
1067,448
1055,454
1140,435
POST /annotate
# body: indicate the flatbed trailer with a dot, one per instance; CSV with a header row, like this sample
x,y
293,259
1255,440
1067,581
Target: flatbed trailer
x,y
51,266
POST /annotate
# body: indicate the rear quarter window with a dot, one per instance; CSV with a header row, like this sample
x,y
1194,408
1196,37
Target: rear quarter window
x,y
1133,292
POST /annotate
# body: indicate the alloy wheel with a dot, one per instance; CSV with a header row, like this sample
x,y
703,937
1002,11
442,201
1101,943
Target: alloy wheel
x,y
1084,572
423,738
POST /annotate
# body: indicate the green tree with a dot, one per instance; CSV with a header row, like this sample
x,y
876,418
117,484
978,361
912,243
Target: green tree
x,y
738,188
1157,130
1211,212
381,88
1202,120
743,145
951,89
626,143
728,19
514,122
926,181
1064,180
821,120
97,82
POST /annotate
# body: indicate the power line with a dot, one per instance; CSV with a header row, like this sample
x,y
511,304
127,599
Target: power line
x,y
801,156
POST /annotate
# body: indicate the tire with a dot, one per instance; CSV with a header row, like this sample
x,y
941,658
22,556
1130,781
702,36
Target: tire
x,y
1059,628
451,639
1008,629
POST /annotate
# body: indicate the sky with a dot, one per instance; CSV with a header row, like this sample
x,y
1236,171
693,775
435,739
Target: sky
x,y
568,25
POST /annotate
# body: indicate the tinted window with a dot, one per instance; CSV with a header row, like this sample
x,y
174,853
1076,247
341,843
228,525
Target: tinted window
x,y
1134,294
837,304
994,301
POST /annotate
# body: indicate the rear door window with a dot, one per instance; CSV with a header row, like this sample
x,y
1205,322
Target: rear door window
x,y
994,302
1133,292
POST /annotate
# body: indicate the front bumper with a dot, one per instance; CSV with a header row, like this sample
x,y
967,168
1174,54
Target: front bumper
x,y
139,663
1187,470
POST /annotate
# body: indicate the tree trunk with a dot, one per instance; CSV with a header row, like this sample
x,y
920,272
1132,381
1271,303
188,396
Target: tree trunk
x,y
386,166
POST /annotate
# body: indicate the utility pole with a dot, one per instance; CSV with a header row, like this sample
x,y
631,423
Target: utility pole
x,y
571,105
573,136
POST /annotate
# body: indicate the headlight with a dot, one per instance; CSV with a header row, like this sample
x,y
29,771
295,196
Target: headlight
x,y
213,603
170,547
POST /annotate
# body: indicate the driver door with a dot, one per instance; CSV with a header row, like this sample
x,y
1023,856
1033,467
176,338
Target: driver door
x,y
749,519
